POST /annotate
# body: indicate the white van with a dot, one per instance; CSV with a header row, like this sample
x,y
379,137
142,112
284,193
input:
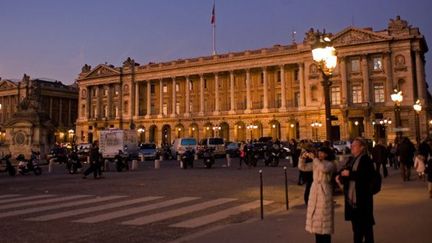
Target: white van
x,y
216,143
180,145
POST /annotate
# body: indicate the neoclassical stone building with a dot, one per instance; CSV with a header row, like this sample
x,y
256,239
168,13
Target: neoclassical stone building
x,y
272,91
56,99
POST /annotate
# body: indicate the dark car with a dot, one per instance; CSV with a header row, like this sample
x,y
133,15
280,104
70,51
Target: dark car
x,y
233,149
148,151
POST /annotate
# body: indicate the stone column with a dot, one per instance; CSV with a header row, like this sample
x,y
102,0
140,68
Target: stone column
x,y
51,105
421,84
389,76
137,101
160,99
187,100
88,103
69,119
283,89
109,101
148,114
248,92
344,88
232,100
302,85
98,102
174,101
265,89
365,76
216,110
201,111
60,111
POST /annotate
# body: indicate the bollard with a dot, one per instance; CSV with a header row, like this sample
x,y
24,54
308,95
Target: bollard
x,y
286,188
157,164
142,157
261,195
195,156
134,164
106,165
178,157
161,158
50,166
181,164
88,159
228,160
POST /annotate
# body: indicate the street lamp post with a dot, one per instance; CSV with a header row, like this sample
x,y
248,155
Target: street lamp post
x,y
141,130
250,127
315,125
216,130
324,54
397,98
417,107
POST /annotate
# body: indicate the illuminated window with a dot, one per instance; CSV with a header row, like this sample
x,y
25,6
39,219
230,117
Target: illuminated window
x,y
335,95
355,65
377,64
356,94
379,93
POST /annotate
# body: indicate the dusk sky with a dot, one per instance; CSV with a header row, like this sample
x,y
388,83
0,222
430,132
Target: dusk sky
x,y
54,39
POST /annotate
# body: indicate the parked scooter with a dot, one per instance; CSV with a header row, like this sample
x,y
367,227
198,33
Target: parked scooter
x,y
73,163
208,157
187,158
121,161
10,169
27,166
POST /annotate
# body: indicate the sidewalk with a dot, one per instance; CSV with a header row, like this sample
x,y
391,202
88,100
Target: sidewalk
x,y
403,213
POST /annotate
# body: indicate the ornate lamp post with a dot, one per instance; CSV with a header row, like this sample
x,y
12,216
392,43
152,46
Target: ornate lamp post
x,y
315,125
324,54
250,127
216,130
417,107
141,130
397,98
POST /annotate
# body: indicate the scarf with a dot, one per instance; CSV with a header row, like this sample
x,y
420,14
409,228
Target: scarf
x,y
352,195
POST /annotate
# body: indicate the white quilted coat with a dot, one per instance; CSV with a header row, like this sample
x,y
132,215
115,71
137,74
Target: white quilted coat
x,y
320,210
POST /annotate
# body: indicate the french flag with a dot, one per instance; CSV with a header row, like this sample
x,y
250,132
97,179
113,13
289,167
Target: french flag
x,y
213,17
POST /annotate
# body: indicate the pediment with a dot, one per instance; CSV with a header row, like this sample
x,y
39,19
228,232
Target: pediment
x,y
352,35
102,71
7,84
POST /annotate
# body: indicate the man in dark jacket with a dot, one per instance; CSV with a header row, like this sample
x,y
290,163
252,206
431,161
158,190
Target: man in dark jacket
x,y
380,156
406,152
356,178
95,162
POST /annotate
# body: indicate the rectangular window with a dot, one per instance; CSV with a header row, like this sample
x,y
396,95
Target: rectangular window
x,y
357,94
177,111
377,64
152,89
296,75
379,93
297,99
262,78
279,78
177,87
126,107
278,100
165,109
335,95
83,111
355,65
190,85
165,88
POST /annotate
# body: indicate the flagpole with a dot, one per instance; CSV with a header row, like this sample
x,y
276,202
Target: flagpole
x,y
213,22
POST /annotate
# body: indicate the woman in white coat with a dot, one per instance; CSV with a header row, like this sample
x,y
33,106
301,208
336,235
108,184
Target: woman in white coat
x,y
320,210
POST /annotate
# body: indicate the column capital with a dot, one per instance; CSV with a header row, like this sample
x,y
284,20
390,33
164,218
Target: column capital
x,y
264,69
216,74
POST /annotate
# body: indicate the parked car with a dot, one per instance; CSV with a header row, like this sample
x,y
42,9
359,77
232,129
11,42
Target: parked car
x,y
233,149
217,144
148,151
180,145
342,147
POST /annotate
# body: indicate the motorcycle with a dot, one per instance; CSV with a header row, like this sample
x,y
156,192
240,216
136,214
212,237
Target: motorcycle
x,y
252,155
27,166
10,169
121,161
208,157
272,156
73,163
187,158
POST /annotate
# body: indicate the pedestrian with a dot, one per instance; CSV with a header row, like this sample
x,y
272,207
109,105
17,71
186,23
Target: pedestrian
x,y
406,152
356,178
320,210
305,166
242,154
380,156
419,165
95,162
392,155
429,176
294,152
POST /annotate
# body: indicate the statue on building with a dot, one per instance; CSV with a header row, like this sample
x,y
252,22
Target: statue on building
x,y
31,101
398,26
86,68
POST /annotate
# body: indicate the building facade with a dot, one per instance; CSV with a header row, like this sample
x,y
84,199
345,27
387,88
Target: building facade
x,y
272,91
56,99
